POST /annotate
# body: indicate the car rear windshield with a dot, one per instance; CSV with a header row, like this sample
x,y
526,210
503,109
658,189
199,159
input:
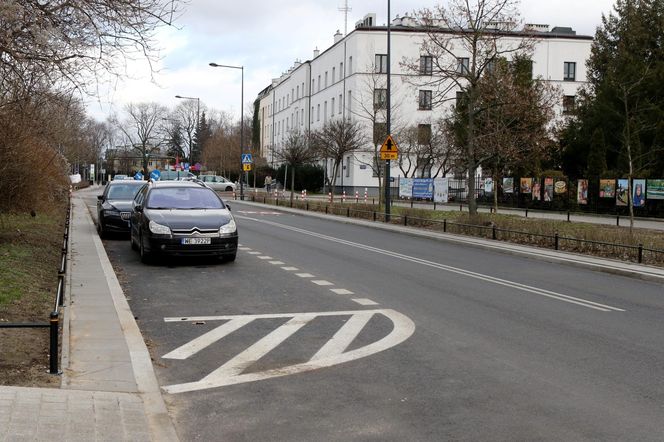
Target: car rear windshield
x,y
122,191
183,198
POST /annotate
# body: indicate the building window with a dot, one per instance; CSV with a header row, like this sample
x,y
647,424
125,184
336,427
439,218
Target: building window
x,y
302,117
318,112
325,78
381,63
349,101
569,73
340,103
332,107
425,100
303,92
325,112
313,84
423,134
334,78
341,70
298,92
380,99
463,66
426,65
348,167
350,65
569,104
311,116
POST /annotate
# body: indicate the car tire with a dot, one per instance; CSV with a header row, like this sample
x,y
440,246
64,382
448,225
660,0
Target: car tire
x,y
146,257
229,189
134,246
101,230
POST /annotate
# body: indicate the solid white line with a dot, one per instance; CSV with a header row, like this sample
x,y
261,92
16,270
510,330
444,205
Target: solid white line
x,y
264,257
344,336
268,316
259,349
277,263
342,292
290,269
321,282
193,347
364,301
523,287
304,275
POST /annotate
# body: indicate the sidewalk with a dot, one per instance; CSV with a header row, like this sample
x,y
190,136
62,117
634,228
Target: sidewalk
x,y
109,391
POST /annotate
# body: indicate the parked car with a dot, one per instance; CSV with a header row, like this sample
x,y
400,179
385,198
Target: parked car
x,y
216,182
168,175
182,218
120,177
114,206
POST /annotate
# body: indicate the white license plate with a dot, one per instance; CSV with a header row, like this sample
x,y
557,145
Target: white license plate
x,y
125,215
196,241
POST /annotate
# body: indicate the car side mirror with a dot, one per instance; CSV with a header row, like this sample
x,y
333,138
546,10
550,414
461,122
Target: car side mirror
x,y
138,208
100,197
228,207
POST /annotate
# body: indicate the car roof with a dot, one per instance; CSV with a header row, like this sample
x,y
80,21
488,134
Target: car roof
x,y
125,182
169,183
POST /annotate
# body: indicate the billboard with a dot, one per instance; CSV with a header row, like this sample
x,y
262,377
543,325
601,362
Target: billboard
x,y
526,185
639,193
508,185
548,189
655,189
622,193
423,188
607,188
537,190
560,187
440,190
582,192
405,187
488,185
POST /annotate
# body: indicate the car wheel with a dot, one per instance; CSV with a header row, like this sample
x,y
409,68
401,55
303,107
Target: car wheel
x,y
146,257
101,230
229,188
131,240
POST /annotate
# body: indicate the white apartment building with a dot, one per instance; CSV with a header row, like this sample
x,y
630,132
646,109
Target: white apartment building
x,y
337,83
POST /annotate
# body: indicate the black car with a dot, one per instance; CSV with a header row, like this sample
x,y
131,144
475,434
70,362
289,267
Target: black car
x,y
114,206
182,218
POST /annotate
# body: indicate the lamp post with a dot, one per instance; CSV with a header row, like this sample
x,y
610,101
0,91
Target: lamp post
x,y
198,113
241,68
388,116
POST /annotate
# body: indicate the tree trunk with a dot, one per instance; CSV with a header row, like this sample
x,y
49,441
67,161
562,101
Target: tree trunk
x,y
292,185
496,177
472,202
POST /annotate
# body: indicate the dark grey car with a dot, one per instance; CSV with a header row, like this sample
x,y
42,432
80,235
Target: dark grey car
x,y
182,218
114,206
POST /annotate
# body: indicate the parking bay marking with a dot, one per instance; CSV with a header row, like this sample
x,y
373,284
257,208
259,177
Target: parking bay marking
x,y
470,274
333,352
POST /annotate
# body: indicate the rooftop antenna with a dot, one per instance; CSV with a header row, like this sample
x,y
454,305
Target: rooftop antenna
x,y
345,9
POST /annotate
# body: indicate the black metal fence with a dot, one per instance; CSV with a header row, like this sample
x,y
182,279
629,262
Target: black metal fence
x,y
54,317
636,253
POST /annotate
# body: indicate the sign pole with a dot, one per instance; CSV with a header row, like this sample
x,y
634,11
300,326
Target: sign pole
x,y
388,116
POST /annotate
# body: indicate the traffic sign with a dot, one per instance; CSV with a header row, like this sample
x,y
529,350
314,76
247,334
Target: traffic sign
x,y
155,175
389,150
246,158
138,176
246,167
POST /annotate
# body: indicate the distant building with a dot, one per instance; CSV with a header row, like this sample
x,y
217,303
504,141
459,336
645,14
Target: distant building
x,y
337,84
125,160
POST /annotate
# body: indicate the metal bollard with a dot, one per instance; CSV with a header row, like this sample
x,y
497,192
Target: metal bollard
x,y
445,225
640,253
325,209
348,212
568,216
374,216
556,240
53,328
618,220
526,213
411,203
493,232
460,207
405,220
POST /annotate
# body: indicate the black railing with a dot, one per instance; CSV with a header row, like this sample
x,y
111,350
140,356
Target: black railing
x,y
54,317
488,230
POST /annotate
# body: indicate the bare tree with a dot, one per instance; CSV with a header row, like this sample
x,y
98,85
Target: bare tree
x,y
187,114
68,43
296,151
338,138
425,150
463,40
141,127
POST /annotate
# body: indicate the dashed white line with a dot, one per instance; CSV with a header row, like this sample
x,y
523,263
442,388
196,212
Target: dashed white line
x,y
321,282
246,249
264,257
254,253
342,292
364,301
290,269
304,275
277,263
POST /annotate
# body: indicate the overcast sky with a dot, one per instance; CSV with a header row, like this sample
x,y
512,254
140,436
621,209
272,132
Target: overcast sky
x,y
266,37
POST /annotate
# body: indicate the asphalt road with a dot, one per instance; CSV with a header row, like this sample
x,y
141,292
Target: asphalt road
x,y
370,335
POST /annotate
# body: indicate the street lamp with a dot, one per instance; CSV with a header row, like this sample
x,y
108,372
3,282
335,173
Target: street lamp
x,y
215,65
198,112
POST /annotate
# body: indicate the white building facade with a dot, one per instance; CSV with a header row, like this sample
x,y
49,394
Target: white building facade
x,y
341,82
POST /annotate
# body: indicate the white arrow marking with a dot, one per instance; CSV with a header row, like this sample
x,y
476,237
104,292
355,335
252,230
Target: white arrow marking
x,y
332,353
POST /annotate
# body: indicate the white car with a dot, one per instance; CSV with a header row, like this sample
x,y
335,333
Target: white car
x,y
217,182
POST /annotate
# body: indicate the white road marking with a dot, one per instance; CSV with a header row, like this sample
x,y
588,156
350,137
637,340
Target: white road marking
x,y
321,282
290,269
246,249
277,263
342,292
364,301
255,253
304,275
193,347
470,274
332,353
265,257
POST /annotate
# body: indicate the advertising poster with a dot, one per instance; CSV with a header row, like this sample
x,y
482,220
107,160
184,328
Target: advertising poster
x,y
526,185
488,185
639,193
582,192
548,189
607,188
655,189
560,187
622,192
441,190
423,188
508,185
537,190
405,187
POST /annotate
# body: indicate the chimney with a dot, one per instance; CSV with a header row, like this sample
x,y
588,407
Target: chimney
x,y
338,37
316,52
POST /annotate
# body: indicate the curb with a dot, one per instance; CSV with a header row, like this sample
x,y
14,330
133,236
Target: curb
x,y
605,265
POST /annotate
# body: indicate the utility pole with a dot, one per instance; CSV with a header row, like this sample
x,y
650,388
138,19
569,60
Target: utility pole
x,y
388,116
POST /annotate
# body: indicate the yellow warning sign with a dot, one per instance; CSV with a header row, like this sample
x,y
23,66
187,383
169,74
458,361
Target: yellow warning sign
x,y
389,150
246,167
